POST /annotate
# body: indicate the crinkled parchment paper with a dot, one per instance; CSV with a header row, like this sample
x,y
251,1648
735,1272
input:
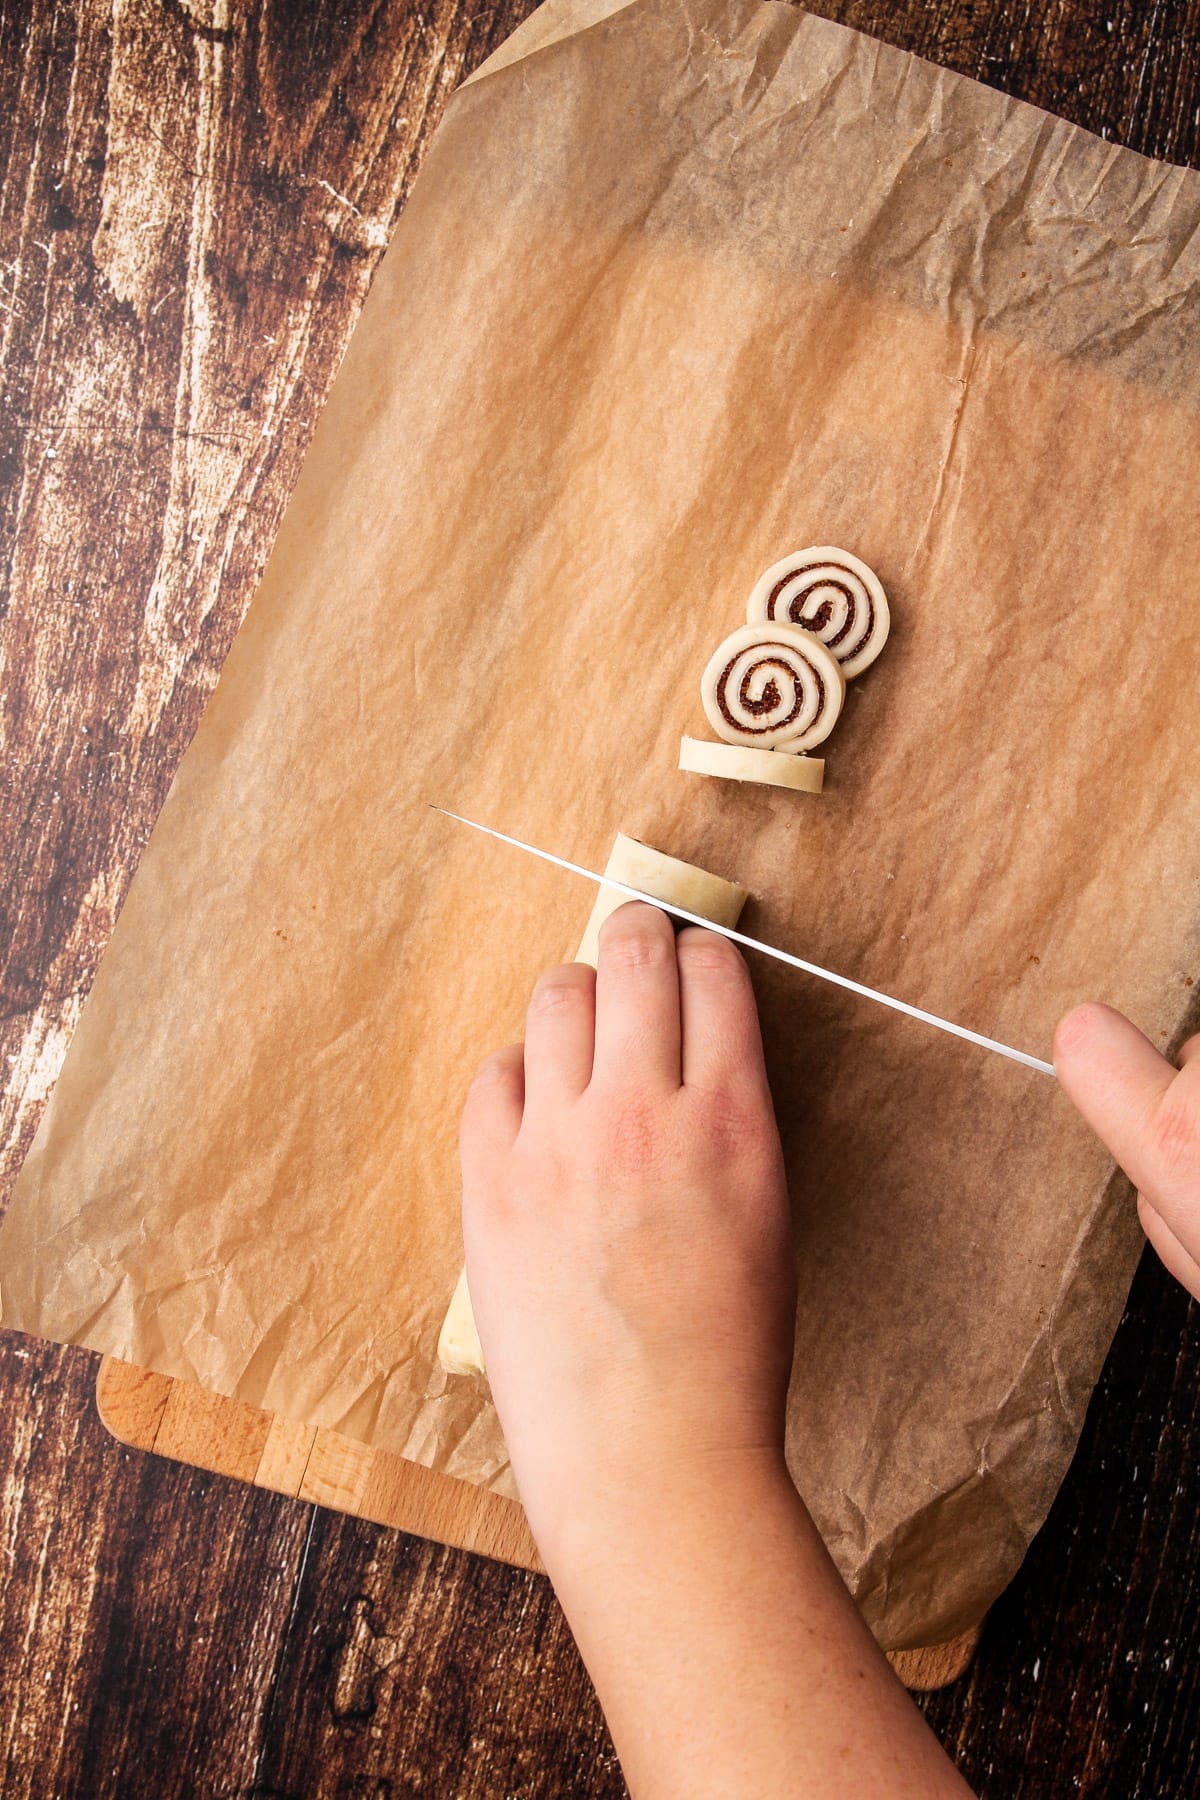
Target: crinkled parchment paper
x,y
683,286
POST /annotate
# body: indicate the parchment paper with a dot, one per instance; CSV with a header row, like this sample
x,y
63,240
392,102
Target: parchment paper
x,y
681,289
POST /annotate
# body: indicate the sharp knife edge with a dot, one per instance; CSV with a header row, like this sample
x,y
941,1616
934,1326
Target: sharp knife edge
x,y
784,956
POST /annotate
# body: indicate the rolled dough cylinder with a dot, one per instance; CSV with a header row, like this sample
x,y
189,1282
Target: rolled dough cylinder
x,y
662,878
659,877
736,762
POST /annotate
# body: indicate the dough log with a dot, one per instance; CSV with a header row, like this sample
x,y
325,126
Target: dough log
x,y
832,594
662,878
773,687
737,762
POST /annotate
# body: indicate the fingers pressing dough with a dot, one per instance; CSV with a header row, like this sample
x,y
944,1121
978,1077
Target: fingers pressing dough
x,y
661,878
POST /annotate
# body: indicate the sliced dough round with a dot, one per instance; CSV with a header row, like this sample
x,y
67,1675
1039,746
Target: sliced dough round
x,y
772,686
737,762
832,594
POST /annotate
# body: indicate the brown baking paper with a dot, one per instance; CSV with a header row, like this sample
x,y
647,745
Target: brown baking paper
x,y
680,289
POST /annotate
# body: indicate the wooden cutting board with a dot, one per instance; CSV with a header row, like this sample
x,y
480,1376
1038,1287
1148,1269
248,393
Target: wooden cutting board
x,y
185,1422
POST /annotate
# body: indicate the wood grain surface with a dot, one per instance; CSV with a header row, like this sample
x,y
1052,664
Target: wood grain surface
x,y
194,197
227,1437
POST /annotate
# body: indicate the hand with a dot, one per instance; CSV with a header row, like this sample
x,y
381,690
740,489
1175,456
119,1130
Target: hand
x,y
626,1225
1147,1112
630,1263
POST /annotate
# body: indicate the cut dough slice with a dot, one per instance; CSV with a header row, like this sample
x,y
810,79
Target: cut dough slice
x,y
773,687
662,878
832,594
736,762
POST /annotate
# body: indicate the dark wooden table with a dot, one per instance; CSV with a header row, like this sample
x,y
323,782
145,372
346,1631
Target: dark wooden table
x,y
195,197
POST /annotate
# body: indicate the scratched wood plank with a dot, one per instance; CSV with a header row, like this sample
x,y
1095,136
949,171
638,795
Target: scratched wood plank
x,y
142,1608
193,199
191,215
179,1419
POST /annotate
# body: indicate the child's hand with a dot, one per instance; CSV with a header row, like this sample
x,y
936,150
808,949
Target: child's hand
x,y
630,1263
1148,1114
626,1225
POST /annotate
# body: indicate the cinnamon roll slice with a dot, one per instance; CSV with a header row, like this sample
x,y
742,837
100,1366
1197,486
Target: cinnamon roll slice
x,y
832,594
773,687
737,762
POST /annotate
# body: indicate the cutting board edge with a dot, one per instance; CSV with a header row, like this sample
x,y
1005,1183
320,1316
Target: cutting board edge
x,y
187,1424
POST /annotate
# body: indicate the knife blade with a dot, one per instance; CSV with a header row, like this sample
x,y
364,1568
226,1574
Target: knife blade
x,y
749,943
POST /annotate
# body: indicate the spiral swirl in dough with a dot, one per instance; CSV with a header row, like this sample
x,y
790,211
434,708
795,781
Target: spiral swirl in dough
x,y
832,594
773,686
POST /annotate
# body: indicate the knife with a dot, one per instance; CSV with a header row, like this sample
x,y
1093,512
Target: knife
x,y
749,943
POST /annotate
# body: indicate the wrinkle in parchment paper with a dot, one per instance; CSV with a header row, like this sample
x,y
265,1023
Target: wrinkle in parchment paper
x,y
684,285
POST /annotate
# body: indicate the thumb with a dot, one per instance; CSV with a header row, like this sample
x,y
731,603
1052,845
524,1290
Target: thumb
x,y
1117,1080
1148,1114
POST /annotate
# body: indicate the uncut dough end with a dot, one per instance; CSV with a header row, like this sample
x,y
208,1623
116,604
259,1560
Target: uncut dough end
x,y
660,878
459,1350
736,762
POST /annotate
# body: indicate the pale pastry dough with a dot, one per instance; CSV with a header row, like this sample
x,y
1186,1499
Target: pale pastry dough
x,y
663,878
773,687
832,594
737,762
458,1345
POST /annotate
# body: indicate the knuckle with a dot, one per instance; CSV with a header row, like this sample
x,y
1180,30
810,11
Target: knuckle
x,y
636,937
735,1127
628,1141
707,953
495,1071
559,988
1175,1138
635,947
